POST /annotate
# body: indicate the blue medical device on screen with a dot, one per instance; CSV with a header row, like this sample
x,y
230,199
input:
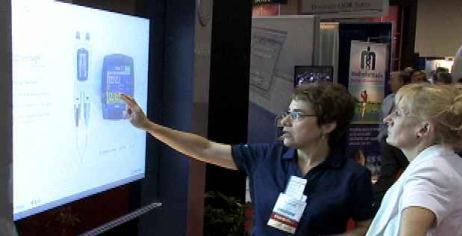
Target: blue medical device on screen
x,y
117,77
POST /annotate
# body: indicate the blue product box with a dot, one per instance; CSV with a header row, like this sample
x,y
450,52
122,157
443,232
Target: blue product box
x,y
117,77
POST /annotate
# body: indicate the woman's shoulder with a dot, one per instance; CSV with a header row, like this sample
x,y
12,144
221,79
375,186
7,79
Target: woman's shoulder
x,y
275,149
442,170
444,163
263,146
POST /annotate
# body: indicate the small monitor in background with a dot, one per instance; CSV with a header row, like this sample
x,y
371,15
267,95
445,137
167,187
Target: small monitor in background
x,y
313,74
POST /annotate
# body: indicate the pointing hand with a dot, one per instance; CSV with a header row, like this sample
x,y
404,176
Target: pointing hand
x,y
134,113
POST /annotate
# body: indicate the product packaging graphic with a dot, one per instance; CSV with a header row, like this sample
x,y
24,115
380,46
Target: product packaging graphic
x,y
82,98
117,77
82,58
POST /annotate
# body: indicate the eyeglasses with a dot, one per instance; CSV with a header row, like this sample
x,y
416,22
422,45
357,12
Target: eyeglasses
x,y
295,115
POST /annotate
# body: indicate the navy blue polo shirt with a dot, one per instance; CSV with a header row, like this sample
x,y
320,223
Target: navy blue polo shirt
x,y
336,190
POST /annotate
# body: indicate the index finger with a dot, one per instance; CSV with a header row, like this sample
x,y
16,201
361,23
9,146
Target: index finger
x,y
129,100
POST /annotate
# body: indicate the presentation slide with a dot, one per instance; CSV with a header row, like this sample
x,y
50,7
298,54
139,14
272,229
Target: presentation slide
x,y
70,136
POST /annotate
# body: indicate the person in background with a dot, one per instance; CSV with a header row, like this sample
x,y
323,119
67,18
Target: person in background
x,y
456,69
418,76
336,188
426,199
441,69
359,157
393,161
436,71
409,70
442,78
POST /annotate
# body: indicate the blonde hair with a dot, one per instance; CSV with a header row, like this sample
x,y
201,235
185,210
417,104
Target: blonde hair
x,y
440,103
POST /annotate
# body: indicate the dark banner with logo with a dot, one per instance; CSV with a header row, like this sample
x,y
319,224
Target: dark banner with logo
x,y
368,65
261,2
368,68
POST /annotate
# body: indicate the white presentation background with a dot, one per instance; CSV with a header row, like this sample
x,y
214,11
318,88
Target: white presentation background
x,y
53,161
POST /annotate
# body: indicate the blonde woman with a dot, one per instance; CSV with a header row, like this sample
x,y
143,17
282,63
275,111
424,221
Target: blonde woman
x,y
427,198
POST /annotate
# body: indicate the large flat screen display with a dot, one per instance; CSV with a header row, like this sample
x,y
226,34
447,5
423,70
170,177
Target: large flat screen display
x,y
70,135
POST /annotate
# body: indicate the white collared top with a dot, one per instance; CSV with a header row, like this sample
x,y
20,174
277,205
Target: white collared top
x,y
433,180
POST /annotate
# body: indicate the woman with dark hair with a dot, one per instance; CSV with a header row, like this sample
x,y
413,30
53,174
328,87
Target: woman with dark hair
x,y
301,185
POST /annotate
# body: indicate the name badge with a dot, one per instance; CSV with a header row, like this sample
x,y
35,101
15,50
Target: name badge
x,y
286,213
289,206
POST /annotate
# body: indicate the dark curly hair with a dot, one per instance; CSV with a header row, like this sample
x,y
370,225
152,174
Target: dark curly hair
x,y
331,103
